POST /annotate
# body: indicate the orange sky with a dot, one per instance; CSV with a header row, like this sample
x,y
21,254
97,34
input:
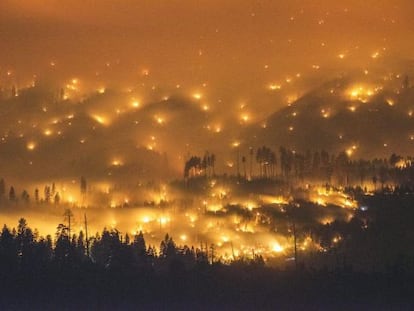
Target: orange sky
x,y
234,45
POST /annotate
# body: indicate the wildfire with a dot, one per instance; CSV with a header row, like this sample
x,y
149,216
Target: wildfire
x,y
277,248
100,119
362,93
31,145
197,96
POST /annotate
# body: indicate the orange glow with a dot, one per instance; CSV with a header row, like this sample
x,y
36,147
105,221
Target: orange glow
x,y
100,119
275,87
197,96
168,110
277,248
31,145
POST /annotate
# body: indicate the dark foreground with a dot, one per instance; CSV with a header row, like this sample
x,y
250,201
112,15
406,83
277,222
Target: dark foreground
x,y
237,287
372,268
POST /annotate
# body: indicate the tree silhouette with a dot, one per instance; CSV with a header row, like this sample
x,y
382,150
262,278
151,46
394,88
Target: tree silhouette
x,y
63,250
244,166
25,196
12,194
251,153
13,91
139,250
68,217
406,83
36,195
2,188
266,159
83,185
316,161
139,245
8,250
43,253
259,160
47,194
383,176
24,242
342,168
80,247
207,164
299,165
168,248
286,161
394,159
192,165
213,163
374,181
273,164
204,163
83,190
106,250
362,167
57,198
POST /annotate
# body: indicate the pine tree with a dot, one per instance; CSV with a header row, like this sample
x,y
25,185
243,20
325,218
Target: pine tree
x,y
12,194
2,188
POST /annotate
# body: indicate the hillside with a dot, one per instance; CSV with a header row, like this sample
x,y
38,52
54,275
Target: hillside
x,y
367,120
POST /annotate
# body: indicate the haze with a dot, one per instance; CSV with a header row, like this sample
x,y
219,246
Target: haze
x,y
235,48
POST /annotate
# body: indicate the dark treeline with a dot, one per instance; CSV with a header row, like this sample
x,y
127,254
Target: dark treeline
x,y
311,166
264,163
114,270
22,249
48,195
